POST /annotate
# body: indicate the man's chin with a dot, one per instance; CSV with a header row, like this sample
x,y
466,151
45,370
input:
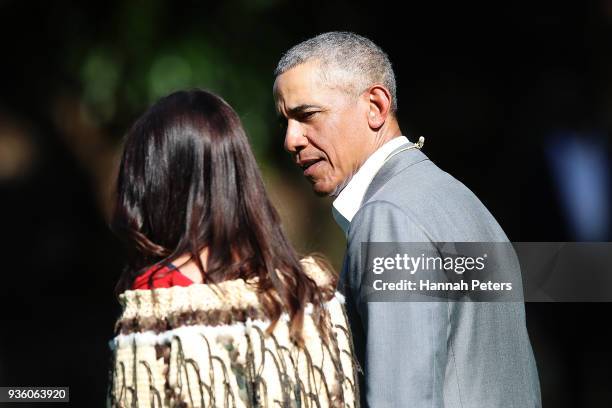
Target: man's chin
x,y
322,190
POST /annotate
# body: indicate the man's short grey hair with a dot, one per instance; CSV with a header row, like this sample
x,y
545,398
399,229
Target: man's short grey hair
x,y
359,62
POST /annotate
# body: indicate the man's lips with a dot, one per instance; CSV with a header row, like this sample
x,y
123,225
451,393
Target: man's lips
x,y
309,165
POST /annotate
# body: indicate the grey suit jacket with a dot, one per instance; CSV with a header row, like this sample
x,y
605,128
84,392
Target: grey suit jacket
x,y
433,354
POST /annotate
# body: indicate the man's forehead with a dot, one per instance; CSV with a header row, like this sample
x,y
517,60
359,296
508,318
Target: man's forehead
x,y
312,84
298,82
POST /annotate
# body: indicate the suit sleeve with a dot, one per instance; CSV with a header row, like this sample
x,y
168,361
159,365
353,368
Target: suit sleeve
x,y
404,342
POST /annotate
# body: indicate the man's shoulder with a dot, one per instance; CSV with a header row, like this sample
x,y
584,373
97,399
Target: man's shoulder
x,y
421,185
430,199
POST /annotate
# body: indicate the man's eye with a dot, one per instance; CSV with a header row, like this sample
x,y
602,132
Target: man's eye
x,y
307,115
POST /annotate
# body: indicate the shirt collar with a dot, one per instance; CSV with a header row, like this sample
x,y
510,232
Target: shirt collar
x,y
346,205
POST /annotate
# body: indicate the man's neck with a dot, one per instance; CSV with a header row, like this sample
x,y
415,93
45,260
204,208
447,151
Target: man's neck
x,y
390,130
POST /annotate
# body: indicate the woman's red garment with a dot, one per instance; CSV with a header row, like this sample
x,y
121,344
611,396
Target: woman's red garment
x,y
164,277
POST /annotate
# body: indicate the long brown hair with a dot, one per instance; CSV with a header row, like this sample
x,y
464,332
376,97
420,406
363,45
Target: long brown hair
x,y
188,180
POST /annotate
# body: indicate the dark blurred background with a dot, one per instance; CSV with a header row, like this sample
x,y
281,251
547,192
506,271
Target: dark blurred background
x,y
514,100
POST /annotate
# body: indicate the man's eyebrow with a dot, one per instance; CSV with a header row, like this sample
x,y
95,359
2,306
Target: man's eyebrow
x,y
299,109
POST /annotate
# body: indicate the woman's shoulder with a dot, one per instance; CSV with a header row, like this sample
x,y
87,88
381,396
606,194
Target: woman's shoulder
x,y
229,301
166,276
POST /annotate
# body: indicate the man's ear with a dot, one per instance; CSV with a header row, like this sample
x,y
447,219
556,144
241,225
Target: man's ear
x,y
379,105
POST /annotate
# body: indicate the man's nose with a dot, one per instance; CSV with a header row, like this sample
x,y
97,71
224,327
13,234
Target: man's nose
x,y
295,140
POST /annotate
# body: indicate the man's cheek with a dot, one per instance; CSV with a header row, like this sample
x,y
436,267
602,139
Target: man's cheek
x,y
328,172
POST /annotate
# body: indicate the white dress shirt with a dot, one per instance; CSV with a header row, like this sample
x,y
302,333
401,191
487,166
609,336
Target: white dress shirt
x,y
346,205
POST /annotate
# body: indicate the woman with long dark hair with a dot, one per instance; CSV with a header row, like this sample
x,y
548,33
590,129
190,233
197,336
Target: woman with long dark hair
x,y
218,310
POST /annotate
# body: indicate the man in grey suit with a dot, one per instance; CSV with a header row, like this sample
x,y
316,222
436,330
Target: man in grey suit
x,y
337,94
